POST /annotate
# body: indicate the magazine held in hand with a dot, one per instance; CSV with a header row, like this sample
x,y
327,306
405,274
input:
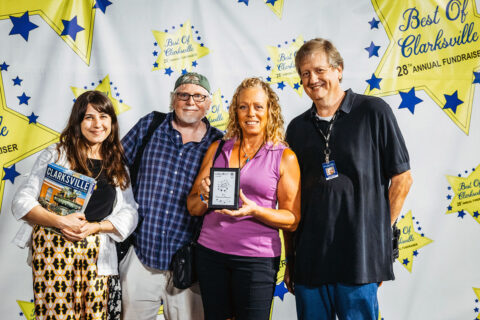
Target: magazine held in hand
x,y
65,191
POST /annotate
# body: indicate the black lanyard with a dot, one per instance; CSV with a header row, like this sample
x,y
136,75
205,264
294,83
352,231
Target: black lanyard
x,y
326,137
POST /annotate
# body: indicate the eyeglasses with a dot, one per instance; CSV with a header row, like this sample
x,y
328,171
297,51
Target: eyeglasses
x,y
318,71
186,96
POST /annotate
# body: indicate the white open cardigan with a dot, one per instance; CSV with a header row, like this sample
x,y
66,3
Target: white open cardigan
x,y
124,216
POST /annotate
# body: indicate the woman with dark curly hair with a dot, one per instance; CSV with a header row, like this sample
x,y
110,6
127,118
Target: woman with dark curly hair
x,y
72,270
238,251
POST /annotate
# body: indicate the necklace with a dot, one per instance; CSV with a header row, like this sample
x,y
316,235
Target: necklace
x,y
101,168
99,172
245,153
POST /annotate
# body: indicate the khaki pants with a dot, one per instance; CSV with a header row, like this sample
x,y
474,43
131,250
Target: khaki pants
x,y
144,289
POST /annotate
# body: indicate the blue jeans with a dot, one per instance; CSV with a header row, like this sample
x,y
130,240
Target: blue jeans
x,y
348,302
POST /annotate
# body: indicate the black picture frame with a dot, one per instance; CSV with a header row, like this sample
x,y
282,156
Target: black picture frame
x,y
226,195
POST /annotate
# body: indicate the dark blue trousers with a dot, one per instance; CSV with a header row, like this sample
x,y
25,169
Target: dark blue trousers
x,y
348,302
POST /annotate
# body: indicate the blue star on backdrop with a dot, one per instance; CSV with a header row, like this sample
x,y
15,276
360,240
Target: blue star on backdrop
x,y
4,66
22,26
17,81
405,261
272,2
409,100
23,99
10,174
452,101
372,50
32,118
71,28
475,214
280,290
102,5
477,77
168,71
280,85
243,1
373,23
461,214
374,82
296,86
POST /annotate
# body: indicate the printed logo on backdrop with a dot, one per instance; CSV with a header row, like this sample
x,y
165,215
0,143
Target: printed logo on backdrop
x,y
434,46
412,238
476,309
218,115
281,64
466,194
178,49
73,21
20,135
275,5
105,85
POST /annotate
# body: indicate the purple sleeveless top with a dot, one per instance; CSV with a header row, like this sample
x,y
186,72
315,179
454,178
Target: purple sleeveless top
x,y
246,236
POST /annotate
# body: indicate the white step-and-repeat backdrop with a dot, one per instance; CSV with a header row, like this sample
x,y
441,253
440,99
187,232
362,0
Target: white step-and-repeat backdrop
x,y
422,57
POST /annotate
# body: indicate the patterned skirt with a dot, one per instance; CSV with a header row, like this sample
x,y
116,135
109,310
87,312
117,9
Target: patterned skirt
x,y
65,281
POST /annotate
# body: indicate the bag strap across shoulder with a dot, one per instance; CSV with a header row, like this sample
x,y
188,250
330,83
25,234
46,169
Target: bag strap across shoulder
x,y
158,118
219,150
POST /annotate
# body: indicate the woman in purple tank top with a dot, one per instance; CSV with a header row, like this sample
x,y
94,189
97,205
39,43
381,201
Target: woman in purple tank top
x,y
238,251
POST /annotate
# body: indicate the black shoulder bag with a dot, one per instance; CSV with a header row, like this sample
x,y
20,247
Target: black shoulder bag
x,y
183,261
158,118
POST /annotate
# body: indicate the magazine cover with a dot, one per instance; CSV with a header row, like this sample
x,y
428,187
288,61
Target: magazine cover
x,y
65,191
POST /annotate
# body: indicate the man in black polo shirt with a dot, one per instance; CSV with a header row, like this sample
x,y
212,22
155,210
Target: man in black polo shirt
x,y
355,177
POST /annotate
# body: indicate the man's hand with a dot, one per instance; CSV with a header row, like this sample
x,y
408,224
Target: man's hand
x,y
288,276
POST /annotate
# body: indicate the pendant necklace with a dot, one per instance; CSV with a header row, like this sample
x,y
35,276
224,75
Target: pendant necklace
x,y
245,153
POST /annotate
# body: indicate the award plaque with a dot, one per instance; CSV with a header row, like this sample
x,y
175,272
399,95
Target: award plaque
x,y
224,188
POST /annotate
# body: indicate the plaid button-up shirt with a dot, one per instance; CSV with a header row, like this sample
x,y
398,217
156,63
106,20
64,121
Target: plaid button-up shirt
x,y
165,177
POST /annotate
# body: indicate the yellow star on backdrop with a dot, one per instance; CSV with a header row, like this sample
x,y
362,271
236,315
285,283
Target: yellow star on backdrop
x,y
20,138
28,309
178,50
104,87
467,194
415,57
218,115
409,241
477,293
277,7
283,260
283,65
53,12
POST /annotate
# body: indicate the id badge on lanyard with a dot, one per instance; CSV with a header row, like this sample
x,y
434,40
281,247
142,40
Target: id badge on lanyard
x,y
329,168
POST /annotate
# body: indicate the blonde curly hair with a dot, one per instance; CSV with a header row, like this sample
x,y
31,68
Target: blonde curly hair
x,y
275,132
